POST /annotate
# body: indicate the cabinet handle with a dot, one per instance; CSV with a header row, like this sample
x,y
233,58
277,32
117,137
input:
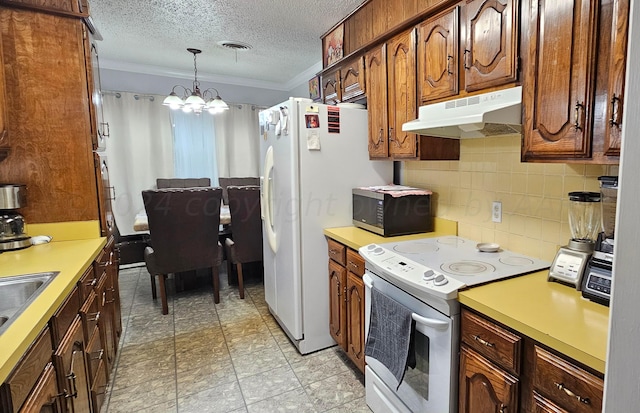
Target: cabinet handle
x,y
503,408
615,103
577,119
4,134
571,394
105,129
449,61
465,58
391,135
333,252
96,318
345,293
338,282
93,282
104,298
483,342
100,355
352,265
71,376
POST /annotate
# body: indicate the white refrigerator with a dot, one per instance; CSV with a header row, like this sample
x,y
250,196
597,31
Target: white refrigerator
x,y
312,155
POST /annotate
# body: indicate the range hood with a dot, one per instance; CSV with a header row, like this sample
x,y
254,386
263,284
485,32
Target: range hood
x,y
488,114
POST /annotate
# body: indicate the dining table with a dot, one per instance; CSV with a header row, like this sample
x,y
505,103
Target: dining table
x,y
141,222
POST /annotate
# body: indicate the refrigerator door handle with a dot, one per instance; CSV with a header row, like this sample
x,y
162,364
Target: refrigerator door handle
x,y
268,199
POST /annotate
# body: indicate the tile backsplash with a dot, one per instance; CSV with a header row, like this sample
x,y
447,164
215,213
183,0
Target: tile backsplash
x,y
533,195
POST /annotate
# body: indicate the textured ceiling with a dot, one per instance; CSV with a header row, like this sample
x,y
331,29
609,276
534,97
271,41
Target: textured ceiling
x,y
152,35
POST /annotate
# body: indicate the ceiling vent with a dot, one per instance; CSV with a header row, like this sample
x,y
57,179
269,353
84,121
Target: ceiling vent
x,y
229,44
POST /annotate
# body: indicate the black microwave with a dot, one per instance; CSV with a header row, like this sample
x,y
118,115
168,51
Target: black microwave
x,y
390,214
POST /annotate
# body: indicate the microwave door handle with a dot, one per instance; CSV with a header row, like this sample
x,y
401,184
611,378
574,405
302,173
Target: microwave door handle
x,y
430,322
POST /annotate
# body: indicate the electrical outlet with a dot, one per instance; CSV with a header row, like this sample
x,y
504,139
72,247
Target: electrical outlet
x,y
496,211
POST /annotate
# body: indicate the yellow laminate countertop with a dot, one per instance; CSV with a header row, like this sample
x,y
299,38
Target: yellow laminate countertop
x,y
553,314
354,237
70,258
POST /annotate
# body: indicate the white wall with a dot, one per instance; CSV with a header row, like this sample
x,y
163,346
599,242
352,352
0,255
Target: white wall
x,y
622,379
124,81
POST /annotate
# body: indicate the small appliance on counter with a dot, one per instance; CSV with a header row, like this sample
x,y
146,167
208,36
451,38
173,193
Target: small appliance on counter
x,y
596,284
392,210
12,234
584,222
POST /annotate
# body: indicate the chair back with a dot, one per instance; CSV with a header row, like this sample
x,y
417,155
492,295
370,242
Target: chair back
x,y
162,183
226,182
183,225
246,224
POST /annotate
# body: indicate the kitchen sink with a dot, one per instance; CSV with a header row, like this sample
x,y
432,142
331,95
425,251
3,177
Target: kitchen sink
x,y
18,291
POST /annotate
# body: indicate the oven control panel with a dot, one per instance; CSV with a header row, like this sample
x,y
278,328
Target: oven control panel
x,y
411,274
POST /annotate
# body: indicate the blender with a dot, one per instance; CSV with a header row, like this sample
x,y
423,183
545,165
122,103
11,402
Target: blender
x,y
585,224
596,284
12,231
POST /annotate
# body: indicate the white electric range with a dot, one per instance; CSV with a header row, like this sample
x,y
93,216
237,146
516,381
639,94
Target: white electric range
x,y
425,276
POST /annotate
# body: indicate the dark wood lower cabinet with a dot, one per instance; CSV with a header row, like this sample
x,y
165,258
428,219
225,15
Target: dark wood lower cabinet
x,y
346,301
66,369
485,387
503,371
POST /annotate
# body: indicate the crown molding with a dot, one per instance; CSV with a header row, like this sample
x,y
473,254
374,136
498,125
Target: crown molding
x,y
230,80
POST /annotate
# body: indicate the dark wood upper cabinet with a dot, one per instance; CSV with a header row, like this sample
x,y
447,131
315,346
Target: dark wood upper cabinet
x,y
377,95
352,79
490,56
616,64
438,56
331,87
558,78
401,84
477,54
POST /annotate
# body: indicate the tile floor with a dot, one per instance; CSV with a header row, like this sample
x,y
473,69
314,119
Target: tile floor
x,y
227,357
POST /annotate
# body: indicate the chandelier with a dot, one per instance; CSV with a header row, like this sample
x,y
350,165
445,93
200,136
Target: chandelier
x,y
193,100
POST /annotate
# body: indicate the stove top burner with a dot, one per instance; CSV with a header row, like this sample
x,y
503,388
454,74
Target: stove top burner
x,y
467,268
451,240
516,261
415,248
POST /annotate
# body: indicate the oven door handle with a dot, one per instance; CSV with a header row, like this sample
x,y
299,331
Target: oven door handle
x,y
430,322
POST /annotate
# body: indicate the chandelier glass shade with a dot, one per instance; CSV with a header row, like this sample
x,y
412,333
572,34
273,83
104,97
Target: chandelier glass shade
x,y
194,100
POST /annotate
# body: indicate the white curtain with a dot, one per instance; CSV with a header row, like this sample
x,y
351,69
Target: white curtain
x,y
238,141
139,150
194,146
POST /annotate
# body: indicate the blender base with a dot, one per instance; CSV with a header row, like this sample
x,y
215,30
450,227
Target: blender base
x,y
568,267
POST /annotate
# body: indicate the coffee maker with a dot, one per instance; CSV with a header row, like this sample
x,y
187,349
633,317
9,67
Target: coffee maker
x,y
571,260
596,284
12,231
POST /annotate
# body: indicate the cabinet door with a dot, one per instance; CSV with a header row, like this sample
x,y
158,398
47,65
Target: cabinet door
x,y
617,66
355,319
4,135
402,107
490,56
484,387
106,194
438,56
558,61
337,303
331,88
45,396
113,297
71,368
99,129
105,324
377,94
352,80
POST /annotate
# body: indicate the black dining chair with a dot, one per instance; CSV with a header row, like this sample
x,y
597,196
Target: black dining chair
x,y
245,244
183,226
235,181
162,183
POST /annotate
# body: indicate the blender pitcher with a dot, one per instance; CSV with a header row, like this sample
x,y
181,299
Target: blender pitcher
x,y
585,220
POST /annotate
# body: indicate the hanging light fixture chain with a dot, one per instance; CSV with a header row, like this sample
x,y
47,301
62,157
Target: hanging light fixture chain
x,y
196,84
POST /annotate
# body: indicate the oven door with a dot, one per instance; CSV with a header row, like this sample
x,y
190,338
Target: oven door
x,y
432,385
